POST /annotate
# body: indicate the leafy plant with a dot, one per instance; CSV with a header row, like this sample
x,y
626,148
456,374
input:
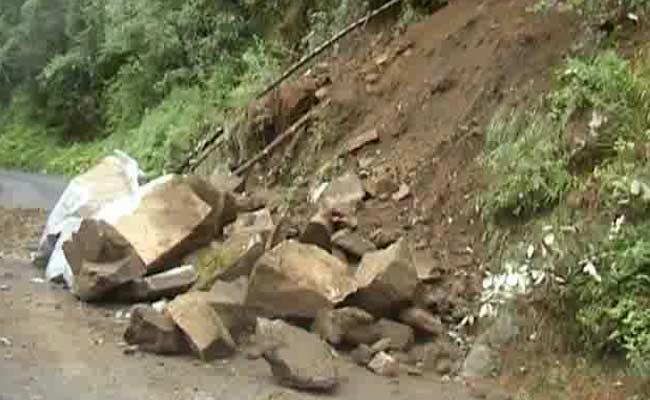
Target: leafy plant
x,y
525,165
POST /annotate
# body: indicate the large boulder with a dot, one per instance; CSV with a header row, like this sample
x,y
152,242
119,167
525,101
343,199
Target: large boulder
x,y
101,260
386,278
155,287
298,280
339,326
206,332
222,203
163,225
298,359
154,332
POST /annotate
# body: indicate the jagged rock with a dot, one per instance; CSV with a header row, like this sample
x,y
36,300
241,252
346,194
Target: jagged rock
x,y
203,327
353,243
101,260
386,279
229,300
298,280
345,192
319,231
169,221
422,320
165,284
154,332
384,365
362,140
334,325
223,208
362,355
297,358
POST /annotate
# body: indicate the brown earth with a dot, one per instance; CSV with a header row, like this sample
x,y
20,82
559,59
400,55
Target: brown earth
x,y
21,230
428,90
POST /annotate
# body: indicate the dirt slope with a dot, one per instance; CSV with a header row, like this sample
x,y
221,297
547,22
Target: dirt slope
x,y
429,91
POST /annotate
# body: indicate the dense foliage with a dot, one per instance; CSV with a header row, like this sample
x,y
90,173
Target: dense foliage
x,y
604,99
80,77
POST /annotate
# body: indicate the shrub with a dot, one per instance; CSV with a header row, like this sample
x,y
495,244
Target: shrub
x,y
525,166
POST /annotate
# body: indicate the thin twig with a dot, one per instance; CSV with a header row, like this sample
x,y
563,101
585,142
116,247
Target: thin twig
x,y
276,142
300,63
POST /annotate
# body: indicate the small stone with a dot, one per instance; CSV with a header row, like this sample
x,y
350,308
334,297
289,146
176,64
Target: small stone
x,y
372,78
338,326
352,243
381,345
5,342
383,238
322,93
403,192
362,140
4,287
319,231
384,365
154,332
362,355
422,320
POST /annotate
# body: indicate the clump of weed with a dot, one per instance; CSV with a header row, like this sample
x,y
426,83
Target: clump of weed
x,y
525,165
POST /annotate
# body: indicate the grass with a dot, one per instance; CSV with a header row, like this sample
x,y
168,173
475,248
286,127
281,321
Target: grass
x,y
605,268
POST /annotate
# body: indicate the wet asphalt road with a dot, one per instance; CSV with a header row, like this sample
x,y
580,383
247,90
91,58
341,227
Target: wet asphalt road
x,y
26,190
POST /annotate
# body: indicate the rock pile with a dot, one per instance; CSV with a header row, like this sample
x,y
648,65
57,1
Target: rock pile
x,y
233,281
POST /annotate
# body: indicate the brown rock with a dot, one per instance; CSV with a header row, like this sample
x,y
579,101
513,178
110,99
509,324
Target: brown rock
x,y
161,228
101,260
319,232
154,332
203,327
381,187
384,365
361,140
163,285
333,325
381,345
353,243
297,358
432,356
344,192
294,271
386,279
402,192
422,320
229,300
401,336
223,208
384,237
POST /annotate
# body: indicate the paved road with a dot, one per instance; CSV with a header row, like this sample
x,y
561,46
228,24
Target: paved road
x,y
26,190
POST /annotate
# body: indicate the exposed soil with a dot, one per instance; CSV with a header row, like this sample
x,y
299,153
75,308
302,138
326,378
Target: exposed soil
x,y
428,90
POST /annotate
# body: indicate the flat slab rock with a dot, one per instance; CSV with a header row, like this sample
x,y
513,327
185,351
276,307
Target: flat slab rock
x,y
298,280
159,228
155,287
298,359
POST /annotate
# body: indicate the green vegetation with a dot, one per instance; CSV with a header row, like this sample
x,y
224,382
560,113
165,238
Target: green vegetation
x,y
79,78
597,113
